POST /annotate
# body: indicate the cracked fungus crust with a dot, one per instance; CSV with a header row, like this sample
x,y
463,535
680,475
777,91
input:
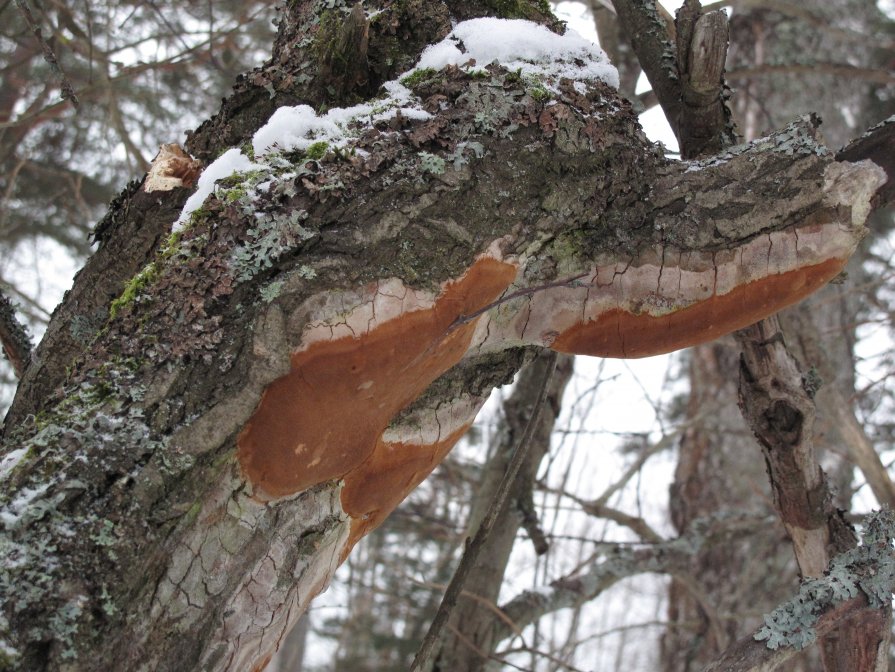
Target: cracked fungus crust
x,y
367,355
325,420
665,300
619,333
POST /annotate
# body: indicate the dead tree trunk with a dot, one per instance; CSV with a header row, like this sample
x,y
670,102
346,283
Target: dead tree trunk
x,y
189,462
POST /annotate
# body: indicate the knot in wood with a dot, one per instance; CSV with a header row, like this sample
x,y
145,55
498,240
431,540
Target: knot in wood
x,y
785,419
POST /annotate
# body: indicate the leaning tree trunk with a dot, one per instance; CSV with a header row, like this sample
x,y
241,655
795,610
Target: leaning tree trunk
x,y
718,453
187,464
471,638
686,72
717,475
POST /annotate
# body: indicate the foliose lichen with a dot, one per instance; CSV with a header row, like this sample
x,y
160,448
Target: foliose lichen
x,y
430,163
868,568
273,236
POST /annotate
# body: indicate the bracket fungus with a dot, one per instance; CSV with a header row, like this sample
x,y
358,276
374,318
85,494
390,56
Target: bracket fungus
x,y
328,418
367,355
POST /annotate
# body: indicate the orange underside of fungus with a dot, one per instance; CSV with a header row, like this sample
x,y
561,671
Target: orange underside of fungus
x,y
619,333
324,420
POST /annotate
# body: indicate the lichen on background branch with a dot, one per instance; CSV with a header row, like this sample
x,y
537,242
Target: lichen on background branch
x,y
868,569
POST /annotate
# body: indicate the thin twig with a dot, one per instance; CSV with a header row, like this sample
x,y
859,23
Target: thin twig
x,y
526,291
474,547
68,92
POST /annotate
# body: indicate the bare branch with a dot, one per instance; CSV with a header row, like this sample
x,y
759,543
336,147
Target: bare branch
x,y
68,92
619,563
778,405
853,599
649,35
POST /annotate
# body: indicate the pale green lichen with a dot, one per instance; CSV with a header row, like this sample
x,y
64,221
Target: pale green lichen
x,y
64,625
868,568
105,535
37,526
306,272
459,157
271,291
430,163
273,236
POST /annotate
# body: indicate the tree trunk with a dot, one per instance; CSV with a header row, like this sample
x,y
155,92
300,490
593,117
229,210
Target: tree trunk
x,y
718,475
180,483
471,635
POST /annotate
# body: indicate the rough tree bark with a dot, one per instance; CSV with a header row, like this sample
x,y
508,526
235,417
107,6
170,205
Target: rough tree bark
x,y
186,465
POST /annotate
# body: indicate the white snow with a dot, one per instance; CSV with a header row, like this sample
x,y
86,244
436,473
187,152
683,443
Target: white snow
x,y
16,508
225,165
7,650
294,128
300,127
516,44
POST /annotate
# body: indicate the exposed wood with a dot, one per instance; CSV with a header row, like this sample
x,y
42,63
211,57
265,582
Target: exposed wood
x,y
877,145
781,413
705,126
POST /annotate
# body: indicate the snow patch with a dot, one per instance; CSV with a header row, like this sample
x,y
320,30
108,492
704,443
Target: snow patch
x,y
16,508
299,127
10,460
231,161
521,45
8,651
516,44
